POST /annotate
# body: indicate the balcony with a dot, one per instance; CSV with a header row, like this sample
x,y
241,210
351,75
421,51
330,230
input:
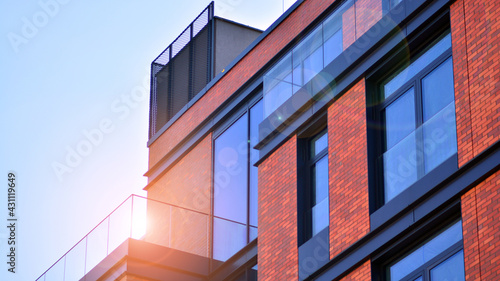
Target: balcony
x,y
144,238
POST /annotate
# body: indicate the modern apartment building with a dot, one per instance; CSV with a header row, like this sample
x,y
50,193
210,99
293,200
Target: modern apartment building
x,y
351,140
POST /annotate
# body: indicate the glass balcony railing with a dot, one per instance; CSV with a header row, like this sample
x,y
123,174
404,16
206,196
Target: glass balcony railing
x,y
420,152
348,22
137,218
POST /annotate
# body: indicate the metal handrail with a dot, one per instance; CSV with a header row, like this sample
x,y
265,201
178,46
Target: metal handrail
x,y
108,219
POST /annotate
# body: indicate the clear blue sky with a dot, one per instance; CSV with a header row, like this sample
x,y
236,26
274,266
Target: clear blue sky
x,y
67,69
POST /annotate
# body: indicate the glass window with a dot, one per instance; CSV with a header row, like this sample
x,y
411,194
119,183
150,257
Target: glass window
x,y
400,118
229,238
235,184
230,172
417,65
320,196
256,116
441,250
320,144
418,111
450,269
316,201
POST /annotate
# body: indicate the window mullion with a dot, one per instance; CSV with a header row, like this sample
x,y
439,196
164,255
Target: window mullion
x,y
427,274
419,135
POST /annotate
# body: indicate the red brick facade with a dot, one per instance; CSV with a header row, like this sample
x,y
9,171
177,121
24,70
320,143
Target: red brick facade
x,y
278,251
368,12
483,54
349,29
188,183
358,19
348,170
481,224
462,101
476,51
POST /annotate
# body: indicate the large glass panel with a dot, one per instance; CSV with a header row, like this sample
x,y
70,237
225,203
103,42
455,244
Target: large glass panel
x,y
320,180
139,218
75,262
451,269
426,252
313,64
256,116
230,172
333,47
56,272
229,238
97,245
120,224
297,76
415,67
400,118
401,162
277,96
440,137
320,144
309,54
441,242
437,89
320,209
400,166
306,60
320,216
407,265
332,33
278,84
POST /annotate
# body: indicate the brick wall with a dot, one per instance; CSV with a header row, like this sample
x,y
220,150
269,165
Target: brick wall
x,y
348,28
476,50
358,19
237,76
481,222
362,273
461,79
188,185
368,12
348,170
278,248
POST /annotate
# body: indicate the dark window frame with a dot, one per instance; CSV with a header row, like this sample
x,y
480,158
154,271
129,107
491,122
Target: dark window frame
x,y
415,236
317,128
424,269
376,104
